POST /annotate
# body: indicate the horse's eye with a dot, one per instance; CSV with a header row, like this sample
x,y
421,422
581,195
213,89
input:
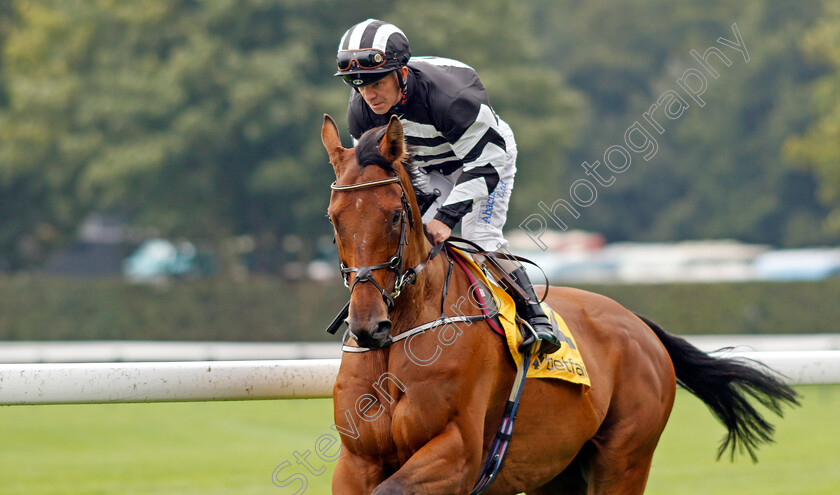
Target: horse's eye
x,y
397,217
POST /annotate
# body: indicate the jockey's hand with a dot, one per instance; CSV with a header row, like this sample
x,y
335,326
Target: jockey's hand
x,y
437,231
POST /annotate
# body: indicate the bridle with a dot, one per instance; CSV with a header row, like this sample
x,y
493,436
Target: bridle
x,y
395,263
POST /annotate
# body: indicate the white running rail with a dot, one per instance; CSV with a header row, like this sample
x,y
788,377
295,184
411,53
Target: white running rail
x,y
79,383
85,383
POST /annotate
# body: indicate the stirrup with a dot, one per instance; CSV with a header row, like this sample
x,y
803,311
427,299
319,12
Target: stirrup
x,y
549,343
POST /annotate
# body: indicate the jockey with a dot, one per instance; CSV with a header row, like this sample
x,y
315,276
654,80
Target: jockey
x,y
465,153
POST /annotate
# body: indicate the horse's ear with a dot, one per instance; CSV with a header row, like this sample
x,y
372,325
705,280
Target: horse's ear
x,y
392,146
329,136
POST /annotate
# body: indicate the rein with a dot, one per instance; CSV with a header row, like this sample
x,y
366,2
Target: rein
x,y
492,258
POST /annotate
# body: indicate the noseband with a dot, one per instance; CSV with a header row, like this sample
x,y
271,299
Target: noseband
x,y
395,263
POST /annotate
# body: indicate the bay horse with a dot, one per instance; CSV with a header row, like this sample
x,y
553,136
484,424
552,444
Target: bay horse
x,y
417,416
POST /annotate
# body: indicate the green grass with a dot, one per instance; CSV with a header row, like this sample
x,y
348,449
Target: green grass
x,y
804,460
234,447
175,448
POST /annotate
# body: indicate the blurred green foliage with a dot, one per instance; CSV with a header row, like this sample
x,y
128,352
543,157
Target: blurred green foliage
x,y
201,119
818,149
719,171
268,309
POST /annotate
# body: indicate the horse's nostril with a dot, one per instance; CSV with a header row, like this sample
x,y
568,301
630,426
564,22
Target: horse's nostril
x,y
374,336
384,328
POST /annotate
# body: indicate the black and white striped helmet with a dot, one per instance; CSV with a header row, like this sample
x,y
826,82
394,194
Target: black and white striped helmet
x,y
369,51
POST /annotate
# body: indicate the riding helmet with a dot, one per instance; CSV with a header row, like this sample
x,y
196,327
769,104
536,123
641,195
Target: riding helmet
x,y
369,51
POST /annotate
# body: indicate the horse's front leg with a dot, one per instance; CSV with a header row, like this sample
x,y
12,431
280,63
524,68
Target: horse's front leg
x,y
447,465
356,475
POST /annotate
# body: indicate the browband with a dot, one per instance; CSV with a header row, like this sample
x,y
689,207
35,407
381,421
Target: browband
x,y
360,185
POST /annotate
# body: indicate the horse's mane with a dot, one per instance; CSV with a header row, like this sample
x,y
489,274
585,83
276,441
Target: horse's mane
x,y
367,153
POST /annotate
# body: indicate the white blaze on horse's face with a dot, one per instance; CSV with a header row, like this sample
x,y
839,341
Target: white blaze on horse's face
x,y
367,212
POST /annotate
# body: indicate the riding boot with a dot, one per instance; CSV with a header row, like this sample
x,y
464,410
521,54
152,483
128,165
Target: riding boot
x,y
531,311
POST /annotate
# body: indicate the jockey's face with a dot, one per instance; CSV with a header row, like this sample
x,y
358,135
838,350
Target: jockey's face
x,y
383,94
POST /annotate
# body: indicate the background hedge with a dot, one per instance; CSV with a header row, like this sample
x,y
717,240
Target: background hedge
x,y
39,308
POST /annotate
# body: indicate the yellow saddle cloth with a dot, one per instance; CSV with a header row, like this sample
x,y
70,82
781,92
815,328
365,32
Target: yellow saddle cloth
x,y
565,364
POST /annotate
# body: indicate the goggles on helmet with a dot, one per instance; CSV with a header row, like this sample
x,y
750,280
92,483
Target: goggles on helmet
x,y
361,79
366,58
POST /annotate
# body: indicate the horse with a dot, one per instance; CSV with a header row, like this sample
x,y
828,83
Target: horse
x,y
418,415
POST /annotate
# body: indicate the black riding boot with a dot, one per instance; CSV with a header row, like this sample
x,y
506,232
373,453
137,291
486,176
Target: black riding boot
x,y
532,312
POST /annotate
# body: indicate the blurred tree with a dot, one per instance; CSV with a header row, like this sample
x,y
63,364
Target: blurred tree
x,y
818,148
193,118
5,26
202,119
718,171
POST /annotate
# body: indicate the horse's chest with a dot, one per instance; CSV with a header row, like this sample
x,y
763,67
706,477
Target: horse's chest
x,y
415,422
388,417
363,416
393,431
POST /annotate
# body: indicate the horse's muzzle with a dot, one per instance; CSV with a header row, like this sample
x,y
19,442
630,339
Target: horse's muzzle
x,y
372,336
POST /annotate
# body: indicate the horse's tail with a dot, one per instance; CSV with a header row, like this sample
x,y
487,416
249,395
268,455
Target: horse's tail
x,y
725,385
